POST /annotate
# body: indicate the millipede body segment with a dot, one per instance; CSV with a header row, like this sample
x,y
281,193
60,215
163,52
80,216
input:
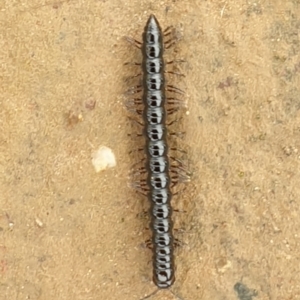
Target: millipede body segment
x,y
156,148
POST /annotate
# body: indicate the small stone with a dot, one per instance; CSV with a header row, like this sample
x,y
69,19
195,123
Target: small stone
x,y
103,159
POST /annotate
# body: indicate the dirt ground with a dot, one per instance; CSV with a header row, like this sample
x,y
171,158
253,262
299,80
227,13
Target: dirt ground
x,y
67,232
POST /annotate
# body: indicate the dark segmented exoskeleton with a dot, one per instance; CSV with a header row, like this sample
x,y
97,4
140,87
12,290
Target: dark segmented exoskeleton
x,y
162,170
156,147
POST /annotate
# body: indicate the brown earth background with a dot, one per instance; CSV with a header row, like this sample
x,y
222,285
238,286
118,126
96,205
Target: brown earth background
x,y
70,233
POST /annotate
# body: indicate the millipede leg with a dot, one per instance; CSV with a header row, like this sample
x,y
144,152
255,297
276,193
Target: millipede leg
x,y
180,169
138,101
184,173
178,161
172,88
136,134
133,42
134,76
138,149
140,189
176,101
175,61
172,110
141,171
176,149
142,160
175,73
179,211
168,30
167,33
172,122
181,177
179,192
149,244
133,101
136,121
143,215
174,181
134,90
143,182
178,133
170,43
177,243
132,63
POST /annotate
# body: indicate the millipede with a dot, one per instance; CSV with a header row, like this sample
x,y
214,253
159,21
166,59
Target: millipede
x,y
162,171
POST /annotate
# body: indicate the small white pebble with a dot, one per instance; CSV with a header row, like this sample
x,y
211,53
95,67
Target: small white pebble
x,y
103,159
39,222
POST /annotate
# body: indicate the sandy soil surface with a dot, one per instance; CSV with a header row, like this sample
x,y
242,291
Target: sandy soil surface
x,y
67,232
